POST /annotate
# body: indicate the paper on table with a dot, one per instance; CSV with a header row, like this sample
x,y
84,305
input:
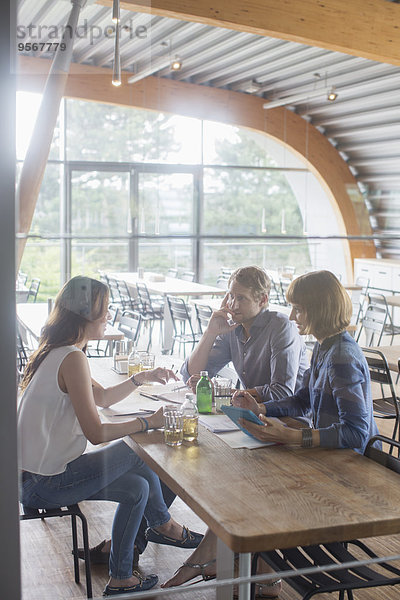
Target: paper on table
x,y
133,406
167,392
239,439
217,423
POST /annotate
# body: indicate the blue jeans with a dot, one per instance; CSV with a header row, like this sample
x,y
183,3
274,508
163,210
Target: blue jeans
x,y
113,473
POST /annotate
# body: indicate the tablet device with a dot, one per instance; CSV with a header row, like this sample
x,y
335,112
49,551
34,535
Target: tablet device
x,y
235,413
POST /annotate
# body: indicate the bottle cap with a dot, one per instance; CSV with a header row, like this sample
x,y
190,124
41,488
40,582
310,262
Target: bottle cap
x,y
204,373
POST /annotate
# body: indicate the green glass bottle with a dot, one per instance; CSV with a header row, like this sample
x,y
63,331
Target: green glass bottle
x,y
204,393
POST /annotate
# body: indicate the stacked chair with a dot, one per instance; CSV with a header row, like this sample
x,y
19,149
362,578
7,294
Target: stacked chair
x,y
151,309
376,321
182,323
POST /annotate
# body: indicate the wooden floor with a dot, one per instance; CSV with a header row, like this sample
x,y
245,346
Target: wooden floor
x,y
47,567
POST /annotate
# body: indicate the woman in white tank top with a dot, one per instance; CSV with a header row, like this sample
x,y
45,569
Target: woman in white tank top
x,y
58,414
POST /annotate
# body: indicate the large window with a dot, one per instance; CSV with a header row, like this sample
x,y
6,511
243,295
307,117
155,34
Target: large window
x,y
126,188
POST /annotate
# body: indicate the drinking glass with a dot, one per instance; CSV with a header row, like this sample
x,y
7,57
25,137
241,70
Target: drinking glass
x,y
222,392
173,425
148,361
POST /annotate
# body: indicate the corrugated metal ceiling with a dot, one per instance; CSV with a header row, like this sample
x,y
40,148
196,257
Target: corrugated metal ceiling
x,y
363,123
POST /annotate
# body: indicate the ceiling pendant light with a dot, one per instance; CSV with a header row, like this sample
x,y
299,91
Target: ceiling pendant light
x,y
176,64
116,80
115,12
332,95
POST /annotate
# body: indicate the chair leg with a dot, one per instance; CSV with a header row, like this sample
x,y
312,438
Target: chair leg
x,y
85,536
75,547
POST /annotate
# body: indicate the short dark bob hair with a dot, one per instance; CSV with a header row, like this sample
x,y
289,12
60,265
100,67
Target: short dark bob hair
x,y
326,303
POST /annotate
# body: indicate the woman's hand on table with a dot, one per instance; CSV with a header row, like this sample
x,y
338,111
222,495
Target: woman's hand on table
x,y
157,375
156,421
244,399
272,431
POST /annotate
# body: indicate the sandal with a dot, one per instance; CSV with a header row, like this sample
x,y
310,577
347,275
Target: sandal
x,y
202,574
269,590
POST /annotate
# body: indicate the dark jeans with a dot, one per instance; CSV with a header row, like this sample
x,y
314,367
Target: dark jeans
x,y
140,541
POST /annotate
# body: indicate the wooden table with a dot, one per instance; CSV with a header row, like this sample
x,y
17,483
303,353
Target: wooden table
x,y
32,316
168,286
393,301
273,497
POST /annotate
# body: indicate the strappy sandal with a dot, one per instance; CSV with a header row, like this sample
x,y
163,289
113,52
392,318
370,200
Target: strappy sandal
x,y
202,574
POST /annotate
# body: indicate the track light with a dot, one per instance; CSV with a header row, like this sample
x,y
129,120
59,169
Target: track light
x,y
116,80
115,12
176,64
332,95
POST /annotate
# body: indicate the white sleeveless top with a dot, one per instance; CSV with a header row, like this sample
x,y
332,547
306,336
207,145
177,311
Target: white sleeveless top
x,y
49,433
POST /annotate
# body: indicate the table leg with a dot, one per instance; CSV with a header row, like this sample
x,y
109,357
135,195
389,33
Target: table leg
x,y
244,571
225,570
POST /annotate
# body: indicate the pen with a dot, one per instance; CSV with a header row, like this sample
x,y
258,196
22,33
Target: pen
x,y
149,396
133,414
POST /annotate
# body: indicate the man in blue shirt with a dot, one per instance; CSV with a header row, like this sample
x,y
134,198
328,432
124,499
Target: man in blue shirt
x,y
266,350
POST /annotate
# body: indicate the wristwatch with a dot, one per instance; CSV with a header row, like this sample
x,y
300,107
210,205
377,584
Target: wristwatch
x,y
135,381
306,438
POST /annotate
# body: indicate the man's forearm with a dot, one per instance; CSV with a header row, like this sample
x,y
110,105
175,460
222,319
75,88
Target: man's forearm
x,y
199,357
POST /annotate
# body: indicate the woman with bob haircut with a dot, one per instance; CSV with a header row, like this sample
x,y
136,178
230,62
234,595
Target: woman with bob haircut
x,y
336,392
57,415
337,388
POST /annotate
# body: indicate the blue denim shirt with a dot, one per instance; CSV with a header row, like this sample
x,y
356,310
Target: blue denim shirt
x,y
338,393
272,360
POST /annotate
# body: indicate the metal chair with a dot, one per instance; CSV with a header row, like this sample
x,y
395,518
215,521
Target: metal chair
x,y
386,406
172,272
115,294
74,511
342,580
130,325
151,308
187,275
102,347
128,302
22,357
183,329
377,321
22,278
203,314
33,289
363,282
223,281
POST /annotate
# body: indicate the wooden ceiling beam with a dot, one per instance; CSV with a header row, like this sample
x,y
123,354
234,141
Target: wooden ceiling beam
x,y
366,28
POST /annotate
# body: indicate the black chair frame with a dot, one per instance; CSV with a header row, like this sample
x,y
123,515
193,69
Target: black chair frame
x,y
342,580
74,511
385,407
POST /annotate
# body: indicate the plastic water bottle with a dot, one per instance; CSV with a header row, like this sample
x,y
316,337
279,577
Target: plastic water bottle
x,y
204,393
190,419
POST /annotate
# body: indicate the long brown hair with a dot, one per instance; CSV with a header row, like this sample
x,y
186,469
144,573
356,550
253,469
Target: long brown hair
x,y
79,301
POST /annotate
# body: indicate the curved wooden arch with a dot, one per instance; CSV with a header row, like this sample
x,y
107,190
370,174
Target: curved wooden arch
x,y
235,108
